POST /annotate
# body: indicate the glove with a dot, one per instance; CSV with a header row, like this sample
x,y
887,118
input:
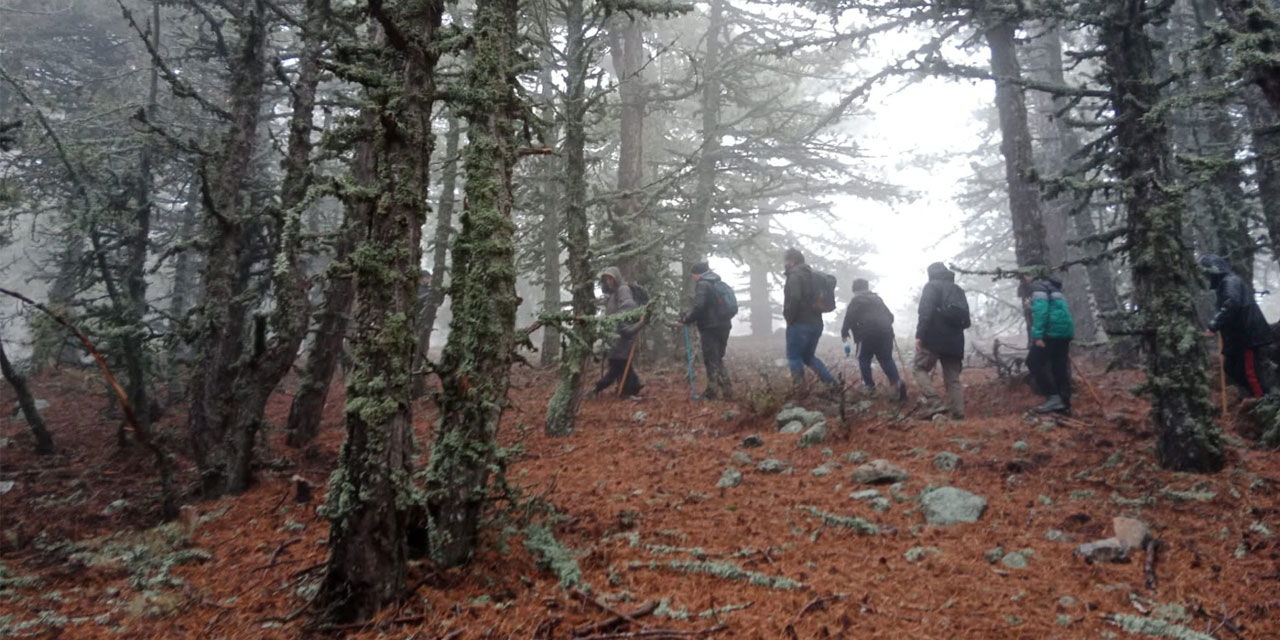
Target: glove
x,y
847,349
684,318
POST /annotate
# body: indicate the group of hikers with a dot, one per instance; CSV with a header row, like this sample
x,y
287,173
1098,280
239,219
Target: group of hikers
x,y
943,317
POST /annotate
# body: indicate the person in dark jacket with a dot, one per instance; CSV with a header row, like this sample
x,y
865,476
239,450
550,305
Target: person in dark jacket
x,y
804,322
618,300
1244,330
938,341
870,323
1051,332
713,324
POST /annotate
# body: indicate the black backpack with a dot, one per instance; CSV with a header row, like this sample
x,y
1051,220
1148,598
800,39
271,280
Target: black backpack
x,y
726,300
824,292
639,294
953,307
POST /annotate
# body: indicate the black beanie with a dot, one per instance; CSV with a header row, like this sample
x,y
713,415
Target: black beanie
x,y
861,284
700,268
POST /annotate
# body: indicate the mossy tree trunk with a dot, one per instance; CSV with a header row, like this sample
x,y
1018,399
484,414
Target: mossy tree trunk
x,y
370,493
1256,24
696,246
1266,148
27,402
476,364
1164,275
562,411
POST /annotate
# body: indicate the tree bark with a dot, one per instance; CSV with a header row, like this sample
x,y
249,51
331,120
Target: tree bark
x,y
696,247
1164,273
477,359
1266,148
27,402
1257,25
443,232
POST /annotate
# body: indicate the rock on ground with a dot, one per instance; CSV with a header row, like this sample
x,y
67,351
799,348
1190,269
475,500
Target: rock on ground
x,y
795,426
1105,550
741,458
879,471
813,435
752,441
947,506
771,465
1131,532
730,478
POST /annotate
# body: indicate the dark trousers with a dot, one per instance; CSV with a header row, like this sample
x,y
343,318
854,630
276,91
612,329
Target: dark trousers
x,y
1051,366
630,387
880,348
714,342
1249,369
802,344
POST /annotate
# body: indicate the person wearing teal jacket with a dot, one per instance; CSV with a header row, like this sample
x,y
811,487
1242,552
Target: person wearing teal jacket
x,y
1052,330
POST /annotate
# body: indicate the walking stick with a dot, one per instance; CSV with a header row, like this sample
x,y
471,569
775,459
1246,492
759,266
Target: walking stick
x,y
1222,376
688,351
626,371
1088,385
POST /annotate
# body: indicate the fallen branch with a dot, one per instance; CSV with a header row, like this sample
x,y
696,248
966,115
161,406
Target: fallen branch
x,y
1149,563
659,634
617,619
818,603
1089,385
579,595
275,554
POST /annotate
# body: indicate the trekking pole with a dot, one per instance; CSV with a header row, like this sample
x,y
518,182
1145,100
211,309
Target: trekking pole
x,y
1088,385
688,351
626,371
902,363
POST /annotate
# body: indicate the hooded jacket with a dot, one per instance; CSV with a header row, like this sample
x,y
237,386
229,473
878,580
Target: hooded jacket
x,y
1050,315
936,335
797,296
705,312
867,317
620,300
1238,318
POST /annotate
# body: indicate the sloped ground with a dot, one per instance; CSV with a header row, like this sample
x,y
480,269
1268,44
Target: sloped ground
x,y
637,502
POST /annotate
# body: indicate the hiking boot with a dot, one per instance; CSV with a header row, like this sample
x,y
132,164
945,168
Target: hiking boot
x,y
1053,404
902,391
710,394
930,409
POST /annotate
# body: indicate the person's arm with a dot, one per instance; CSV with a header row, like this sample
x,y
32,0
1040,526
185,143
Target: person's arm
x,y
701,300
928,306
791,296
1232,303
846,330
1039,314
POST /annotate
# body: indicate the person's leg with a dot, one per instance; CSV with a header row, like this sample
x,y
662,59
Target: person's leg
x,y
632,385
1060,361
1040,369
1252,381
710,361
795,353
884,355
951,368
922,369
1233,364
864,364
722,379
813,332
612,375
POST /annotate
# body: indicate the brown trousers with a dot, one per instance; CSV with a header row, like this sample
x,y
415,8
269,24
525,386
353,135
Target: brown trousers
x,y
925,361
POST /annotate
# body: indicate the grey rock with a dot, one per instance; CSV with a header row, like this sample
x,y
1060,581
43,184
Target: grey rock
x,y
638,416
742,458
752,441
1055,535
946,461
827,452
865,494
947,506
799,414
880,505
821,471
917,554
118,505
41,405
729,479
1021,447
7,486
1105,550
1131,532
854,457
879,471
814,435
795,426
898,491
994,555
1015,560
771,465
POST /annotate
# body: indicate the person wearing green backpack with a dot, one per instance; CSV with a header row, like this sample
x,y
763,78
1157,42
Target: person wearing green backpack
x,y
1052,330
714,306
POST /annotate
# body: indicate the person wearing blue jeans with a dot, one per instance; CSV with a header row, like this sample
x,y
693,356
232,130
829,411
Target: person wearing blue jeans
x,y
804,322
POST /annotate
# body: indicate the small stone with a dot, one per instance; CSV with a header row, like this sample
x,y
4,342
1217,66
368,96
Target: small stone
x,y
1105,550
1044,500
729,479
771,465
947,506
795,426
879,471
880,505
7,486
821,471
1021,447
752,441
813,435
898,491
916,554
1055,535
1131,532
854,457
742,458
827,452
865,494
994,555
1064,620
946,461
115,506
41,405
639,416
1015,560
1066,601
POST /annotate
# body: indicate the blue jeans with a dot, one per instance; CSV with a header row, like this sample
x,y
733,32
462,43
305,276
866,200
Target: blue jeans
x,y
880,348
802,342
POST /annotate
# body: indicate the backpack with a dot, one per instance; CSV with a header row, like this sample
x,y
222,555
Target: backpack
x,y
726,301
639,294
824,292
953,307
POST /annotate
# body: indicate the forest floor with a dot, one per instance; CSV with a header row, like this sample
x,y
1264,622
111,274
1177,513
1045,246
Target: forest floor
x,y
636,500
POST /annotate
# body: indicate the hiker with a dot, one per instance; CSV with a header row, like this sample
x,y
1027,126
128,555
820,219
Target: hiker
x,y
870,323
801,308
943,317
1052,329
713,310
1244,330
619,299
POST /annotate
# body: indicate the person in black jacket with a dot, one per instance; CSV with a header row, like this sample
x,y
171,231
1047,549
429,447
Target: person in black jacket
x,y
804,322
939,341
1244,330
713,324
618,300
870,323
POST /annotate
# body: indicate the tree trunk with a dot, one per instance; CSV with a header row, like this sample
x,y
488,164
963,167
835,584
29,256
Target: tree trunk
x,y
550,201
185,282
1163,270
696,247
443,232
1266,149
50,344
369,504
1015,145
562,410
1257,27
477,359
44,440
760,304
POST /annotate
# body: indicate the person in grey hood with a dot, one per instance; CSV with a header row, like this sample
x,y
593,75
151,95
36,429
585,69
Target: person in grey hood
x,y
1246,336
714,322
619,299
943,317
